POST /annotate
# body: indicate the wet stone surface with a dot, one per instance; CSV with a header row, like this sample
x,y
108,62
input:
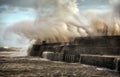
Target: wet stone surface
x,y
36,67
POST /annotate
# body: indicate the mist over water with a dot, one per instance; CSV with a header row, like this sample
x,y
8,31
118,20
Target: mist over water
x,y
63,20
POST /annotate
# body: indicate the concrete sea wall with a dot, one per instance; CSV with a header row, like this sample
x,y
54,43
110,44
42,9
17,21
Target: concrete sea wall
x,y
101,51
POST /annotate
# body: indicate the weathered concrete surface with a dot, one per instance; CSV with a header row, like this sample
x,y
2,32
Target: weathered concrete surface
x,y
98,41
100,61
76,49
52,56
94,47
104,45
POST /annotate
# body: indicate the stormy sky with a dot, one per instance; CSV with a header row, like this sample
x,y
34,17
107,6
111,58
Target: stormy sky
x,y
24,3
30,3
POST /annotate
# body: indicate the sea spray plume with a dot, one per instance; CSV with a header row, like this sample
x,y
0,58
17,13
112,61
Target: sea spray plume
x,y
60,21
60,25
99,25
116,11
117,8
67,12
106,23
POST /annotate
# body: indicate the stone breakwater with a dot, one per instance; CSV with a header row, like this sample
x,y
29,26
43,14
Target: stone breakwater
x,y
101,51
